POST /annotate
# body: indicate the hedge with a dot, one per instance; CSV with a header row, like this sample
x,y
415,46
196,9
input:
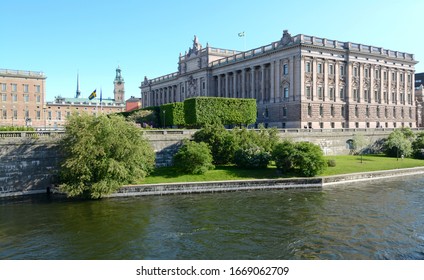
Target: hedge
x,y
174,114
208,110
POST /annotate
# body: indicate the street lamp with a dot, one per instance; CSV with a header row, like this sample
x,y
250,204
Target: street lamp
x,y
164,119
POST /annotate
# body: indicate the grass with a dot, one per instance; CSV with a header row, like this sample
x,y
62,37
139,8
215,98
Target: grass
x,y
344,165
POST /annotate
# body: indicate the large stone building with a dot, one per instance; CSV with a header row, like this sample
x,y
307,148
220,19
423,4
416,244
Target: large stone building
x,y
299,81
22,97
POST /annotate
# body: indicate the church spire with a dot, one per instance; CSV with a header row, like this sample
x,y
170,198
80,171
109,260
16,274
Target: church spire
x,y
78,93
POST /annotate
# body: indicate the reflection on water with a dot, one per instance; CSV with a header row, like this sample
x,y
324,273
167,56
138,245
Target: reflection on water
x,y
373,220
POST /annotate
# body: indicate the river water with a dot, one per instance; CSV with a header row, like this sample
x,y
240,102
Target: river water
x,y
372,220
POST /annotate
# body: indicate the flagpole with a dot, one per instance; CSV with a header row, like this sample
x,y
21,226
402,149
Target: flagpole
x,y
101,103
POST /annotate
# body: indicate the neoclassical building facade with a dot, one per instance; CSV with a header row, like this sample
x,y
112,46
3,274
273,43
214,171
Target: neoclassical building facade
x,y
299,81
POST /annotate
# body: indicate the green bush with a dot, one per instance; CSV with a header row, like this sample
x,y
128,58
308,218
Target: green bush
x,y
418,146
303,158
266,139
251,156
222,142
282,155
16,128
174,114
145,118
193,158
200,111
331,163
102,153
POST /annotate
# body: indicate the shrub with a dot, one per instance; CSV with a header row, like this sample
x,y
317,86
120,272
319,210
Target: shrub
x,y
143,117
265,138
331,163
251,156
102,153
193,158
222,142
174,114
208,110
304,158
282,155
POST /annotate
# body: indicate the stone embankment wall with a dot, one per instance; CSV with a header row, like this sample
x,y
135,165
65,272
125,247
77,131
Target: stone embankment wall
x,y
28,163
30,160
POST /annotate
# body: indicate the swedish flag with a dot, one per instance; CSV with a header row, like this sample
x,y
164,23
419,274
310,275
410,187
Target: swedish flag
x,y
92,95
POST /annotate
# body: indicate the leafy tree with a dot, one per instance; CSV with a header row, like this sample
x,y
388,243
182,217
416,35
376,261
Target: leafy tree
x,y
399,143
252,156
418,146
359,143
102,153
193,158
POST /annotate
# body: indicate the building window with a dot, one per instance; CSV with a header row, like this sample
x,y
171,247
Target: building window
x,y
342,111
321,125
321,111
356,111
385,75
4,97
331,93
4,114
367,112
3,87
355,71
393,97
38,115
332,110
356,125
308,92
401,77
37,89
410,113
393,76
332,125
402,113
386,112
59,115
342,94
309,110
319,68
320,93
38,99
286,94
15,98
26,88
378,111
284,111
386,97
15,114
26,98
49,115
331,69
355,95
285,69
394,112
366,73
14,87
342,70
308,67
366,93
377,74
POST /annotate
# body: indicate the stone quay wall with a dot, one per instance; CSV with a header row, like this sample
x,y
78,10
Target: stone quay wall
x,y
29,161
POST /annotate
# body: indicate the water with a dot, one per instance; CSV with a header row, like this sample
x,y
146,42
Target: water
x,y
373,220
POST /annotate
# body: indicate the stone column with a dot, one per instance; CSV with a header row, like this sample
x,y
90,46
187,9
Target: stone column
x,y
277,85
325,89
314,79
252,82
272,87
372,99
234,84
227,80
262,88
243,83
218,91
336,81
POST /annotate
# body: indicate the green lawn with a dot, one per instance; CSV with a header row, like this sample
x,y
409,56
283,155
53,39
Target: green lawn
x,y
344,165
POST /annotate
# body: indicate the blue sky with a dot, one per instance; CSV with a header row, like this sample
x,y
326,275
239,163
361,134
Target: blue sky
x,y
145,38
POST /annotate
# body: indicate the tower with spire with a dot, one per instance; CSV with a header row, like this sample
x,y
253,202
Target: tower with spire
x,y
118,87
78,93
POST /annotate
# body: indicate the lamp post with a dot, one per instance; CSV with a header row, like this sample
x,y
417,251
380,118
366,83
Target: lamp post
x,y
164,119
